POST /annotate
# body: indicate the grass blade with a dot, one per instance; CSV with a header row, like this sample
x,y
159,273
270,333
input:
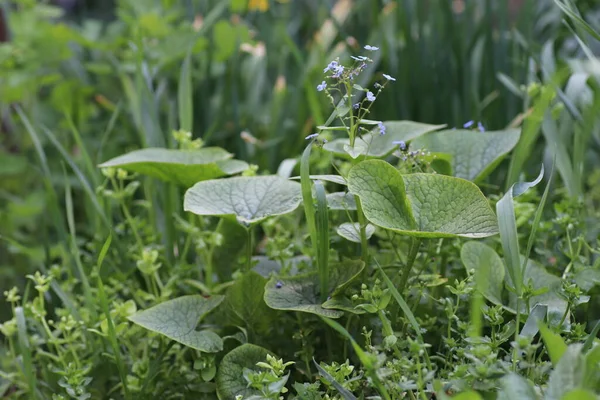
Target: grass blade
x,y
322,226
184,95
25,350
345,393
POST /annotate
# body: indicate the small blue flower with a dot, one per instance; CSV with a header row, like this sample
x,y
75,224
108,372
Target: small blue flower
x,y
355,106
322,86
331,66
480,127
389,78
312,136
400,143
279,285
468,124
338,71
370,96
381,127
371,48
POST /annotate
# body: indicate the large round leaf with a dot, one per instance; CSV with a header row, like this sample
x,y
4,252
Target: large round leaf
x,y
376,145
249,198
473,154
421,205
184,167
177,319
230,376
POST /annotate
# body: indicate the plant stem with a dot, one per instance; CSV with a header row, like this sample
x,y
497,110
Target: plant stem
x,y
364,245
249,249
412,255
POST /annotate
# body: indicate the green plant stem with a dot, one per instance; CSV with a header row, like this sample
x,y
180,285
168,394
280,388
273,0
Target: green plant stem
x,y
249,249
364,244
412,255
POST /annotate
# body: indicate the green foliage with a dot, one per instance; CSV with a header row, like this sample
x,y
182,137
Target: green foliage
x,y
160,274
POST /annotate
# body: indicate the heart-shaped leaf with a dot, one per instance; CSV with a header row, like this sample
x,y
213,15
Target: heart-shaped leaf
x,y
341,201
351,231
250,199
473,154
489,269
302,293
421,205
230,376
376,145
183,167
177,319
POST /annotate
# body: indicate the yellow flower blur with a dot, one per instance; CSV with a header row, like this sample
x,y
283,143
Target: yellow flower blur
x,y
259,5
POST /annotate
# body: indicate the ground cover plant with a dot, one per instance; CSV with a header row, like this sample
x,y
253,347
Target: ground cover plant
x,y
178,224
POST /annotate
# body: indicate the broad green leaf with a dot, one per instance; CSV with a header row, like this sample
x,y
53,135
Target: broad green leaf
x,y
473,154
230,376
514,387
351,231
489,269
183,167
341,201
470,395
592,371
376,145
302,293
224,257
555,345
568,374
177,319
245,306
327,178
250,199
421,205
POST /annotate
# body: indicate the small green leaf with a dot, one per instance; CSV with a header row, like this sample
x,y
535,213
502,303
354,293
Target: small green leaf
x,y
299,293
514,387
177,319
250,199
489,269
345,393
351,231
474,154
421,205
470,395
341,201
183,167
376,145
537,314
302,293
555,345
230,376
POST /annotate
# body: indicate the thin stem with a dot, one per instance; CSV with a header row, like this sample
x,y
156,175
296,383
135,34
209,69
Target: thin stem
x,y
364,245
249,249
412,255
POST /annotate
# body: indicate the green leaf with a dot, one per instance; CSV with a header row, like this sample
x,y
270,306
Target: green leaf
x,y
302,293
351,231
250,199
230,376
183,167
345,393
514,387
489,269
327,178
245,305
224,257
537,314
555,345
341,201
470,395
508,230
177,319
421,205
376,145
473,154
568,374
